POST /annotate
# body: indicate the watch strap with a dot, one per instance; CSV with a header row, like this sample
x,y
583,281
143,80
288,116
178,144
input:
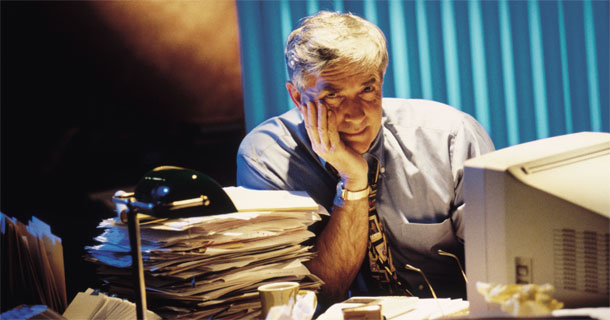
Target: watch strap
x,y
353,195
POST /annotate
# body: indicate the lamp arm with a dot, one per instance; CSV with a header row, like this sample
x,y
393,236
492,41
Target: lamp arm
x,y
133,226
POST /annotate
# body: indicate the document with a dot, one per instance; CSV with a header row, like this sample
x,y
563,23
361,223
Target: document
x,y
277,200
95,305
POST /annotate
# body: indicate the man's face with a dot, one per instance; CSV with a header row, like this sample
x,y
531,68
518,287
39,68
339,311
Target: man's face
x,y
355,97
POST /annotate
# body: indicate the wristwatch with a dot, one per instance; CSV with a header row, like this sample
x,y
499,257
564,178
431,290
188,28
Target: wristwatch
x,y
352,195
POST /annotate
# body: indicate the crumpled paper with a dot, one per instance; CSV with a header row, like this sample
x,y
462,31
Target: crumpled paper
x,y
303,308
521,299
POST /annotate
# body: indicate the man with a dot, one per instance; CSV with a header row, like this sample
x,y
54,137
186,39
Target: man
x,y
343,139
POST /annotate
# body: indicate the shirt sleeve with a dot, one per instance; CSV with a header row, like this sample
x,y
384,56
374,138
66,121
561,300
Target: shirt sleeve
x,y
470,140
254,175
259,171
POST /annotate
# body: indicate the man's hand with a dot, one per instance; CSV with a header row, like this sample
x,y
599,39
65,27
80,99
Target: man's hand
x,y
321,125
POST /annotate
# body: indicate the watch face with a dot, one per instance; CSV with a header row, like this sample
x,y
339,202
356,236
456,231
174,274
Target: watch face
x,y
345,195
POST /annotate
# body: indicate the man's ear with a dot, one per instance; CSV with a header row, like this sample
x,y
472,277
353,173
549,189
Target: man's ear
x,y
294,93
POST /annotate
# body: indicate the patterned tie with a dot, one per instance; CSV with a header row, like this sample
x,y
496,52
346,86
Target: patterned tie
x,y
379,255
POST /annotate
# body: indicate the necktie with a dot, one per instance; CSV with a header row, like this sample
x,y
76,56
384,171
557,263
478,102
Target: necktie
x,y
379,254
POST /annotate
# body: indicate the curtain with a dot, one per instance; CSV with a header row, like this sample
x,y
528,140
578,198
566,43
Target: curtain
x,y
524,69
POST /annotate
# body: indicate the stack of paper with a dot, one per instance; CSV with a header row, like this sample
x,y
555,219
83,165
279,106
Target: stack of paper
x,y
32,265
92,304
211,266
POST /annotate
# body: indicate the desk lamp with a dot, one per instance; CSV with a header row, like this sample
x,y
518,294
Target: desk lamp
x,y
167,193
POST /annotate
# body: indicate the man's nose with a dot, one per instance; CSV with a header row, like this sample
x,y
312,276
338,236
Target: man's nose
x,y
353,111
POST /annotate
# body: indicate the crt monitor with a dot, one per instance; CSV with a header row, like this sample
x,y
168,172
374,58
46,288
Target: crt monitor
x,y
539,212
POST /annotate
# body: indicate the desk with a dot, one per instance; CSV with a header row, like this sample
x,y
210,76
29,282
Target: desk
x,y
413,308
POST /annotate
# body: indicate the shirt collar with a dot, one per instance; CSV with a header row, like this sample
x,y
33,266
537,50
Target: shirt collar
x,y
376,148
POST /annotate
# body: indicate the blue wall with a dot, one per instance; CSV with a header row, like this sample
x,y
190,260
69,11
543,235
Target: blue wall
x,y
525,69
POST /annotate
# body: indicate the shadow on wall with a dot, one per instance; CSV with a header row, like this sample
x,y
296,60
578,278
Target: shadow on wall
x,y
94,94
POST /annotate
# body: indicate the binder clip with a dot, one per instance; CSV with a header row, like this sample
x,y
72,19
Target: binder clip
x,y
166,192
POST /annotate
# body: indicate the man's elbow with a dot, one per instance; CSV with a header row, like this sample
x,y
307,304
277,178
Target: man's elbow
x,y
335,286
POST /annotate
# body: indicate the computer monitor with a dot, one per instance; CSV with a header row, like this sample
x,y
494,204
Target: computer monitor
x,y
539,212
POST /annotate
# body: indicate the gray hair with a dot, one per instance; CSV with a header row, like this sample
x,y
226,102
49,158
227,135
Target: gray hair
x,y
327,38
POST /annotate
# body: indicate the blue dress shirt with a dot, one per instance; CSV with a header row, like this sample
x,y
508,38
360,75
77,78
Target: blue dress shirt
x,y
421,147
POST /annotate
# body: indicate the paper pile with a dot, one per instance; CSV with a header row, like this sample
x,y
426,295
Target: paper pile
x,y
211,266
92,304
521,300
32,264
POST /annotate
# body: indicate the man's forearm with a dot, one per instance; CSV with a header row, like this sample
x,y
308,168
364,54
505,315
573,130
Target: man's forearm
x,y
341,248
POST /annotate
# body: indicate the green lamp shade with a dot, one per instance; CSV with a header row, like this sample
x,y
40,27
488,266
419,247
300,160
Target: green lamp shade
x,y
174,192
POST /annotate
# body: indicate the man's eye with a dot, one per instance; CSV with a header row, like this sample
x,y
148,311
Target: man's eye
x,y
331,95
368,89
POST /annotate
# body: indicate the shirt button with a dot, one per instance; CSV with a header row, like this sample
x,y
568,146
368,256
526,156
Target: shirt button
x,y
420,287
382,170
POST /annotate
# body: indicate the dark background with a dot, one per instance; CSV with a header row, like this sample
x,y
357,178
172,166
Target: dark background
x,y
83,115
